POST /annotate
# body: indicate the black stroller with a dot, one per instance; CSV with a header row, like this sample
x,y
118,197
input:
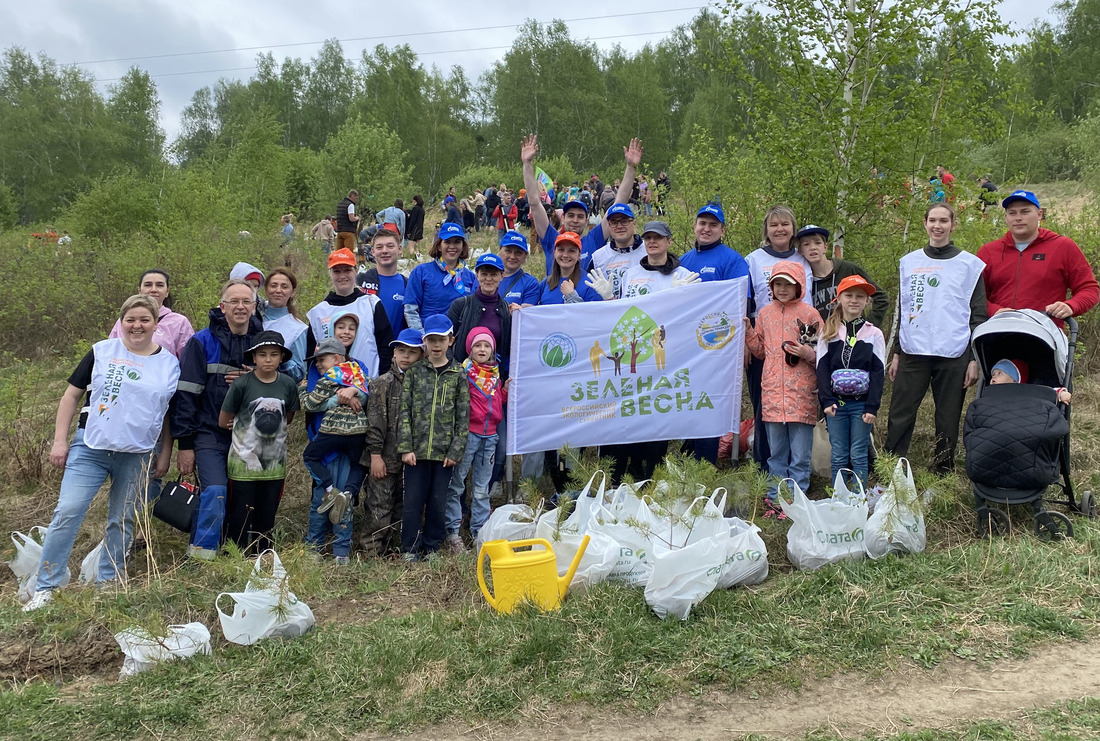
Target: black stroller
x,y
1017,435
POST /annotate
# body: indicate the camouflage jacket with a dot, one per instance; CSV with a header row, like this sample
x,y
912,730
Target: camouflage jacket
x,y
384,417
435,412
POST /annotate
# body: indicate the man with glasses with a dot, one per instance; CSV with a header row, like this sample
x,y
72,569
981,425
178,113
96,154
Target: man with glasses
x,y
212,359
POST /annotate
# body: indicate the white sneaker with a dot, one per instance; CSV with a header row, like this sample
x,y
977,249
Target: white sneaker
x,y
454,544
39,600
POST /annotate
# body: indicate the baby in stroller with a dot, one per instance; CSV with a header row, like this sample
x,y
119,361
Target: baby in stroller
x,y
1016,432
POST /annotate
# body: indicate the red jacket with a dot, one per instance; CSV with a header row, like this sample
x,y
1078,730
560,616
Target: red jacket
x,y
1040,275
505,219
486,403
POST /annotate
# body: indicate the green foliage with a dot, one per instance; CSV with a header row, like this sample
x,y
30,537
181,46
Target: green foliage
x,y
9,207
117,207
476,178
369,158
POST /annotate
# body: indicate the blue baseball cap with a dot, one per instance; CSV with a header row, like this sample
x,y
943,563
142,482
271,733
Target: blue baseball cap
x,y
620,209
713,210
438,324
574,204
1021,195
513,238
451,229
812,229
489,260
409,338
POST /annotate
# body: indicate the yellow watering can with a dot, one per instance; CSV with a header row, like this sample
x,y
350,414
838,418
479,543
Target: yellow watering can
x,y
526,575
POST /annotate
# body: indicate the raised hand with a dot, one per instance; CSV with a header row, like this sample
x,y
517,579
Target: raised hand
x,y
528,149
599,282
633,153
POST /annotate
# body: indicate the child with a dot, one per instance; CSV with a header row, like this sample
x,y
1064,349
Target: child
x,y
435,413
1015,371
257,408
487,397
342,432
789,384
383,492
851,369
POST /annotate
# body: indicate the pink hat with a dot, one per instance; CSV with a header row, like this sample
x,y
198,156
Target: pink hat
x,y
479,333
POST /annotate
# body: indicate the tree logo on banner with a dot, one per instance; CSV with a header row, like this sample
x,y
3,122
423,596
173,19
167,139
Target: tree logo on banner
x,y
632,337
715,331
558,350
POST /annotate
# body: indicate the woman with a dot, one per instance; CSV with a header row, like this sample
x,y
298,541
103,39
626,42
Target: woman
x,y
433,286
173,330
565,284
130,380
282,316
941,301
414,225
286,233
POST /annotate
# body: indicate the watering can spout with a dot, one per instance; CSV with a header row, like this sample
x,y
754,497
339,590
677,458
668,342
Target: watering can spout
x,y
564,581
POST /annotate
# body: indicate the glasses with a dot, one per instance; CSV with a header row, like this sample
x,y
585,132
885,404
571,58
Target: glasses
x,y
239,302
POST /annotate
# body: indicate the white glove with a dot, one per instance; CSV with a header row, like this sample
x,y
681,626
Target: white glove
x,y
597,280
686,280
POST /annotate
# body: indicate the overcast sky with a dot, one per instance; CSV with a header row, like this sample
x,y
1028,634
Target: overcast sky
x,y
90,32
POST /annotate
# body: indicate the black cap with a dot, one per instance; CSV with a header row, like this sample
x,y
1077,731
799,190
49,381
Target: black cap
x,y
267,338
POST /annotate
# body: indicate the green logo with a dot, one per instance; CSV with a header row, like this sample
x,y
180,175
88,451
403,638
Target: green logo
x,y
133,375
631,337
558,350
933,281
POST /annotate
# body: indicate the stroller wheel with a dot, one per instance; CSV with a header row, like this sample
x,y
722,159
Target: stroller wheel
x,y
1053,526
993,521
1087,505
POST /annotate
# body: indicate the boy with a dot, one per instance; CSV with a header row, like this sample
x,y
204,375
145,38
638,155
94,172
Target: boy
x,y
342,432
257,408
435,409
487,397
383,493
1015,371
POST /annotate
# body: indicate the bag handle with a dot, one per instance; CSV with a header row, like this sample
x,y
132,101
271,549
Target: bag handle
x,y
721,504
588,486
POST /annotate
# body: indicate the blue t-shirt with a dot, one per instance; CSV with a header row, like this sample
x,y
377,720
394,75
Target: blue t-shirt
x,y
520,288
550,295
391,290
427,291
590,242
715,263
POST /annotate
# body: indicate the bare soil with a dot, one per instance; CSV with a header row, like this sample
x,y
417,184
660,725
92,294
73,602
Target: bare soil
x,y
93,653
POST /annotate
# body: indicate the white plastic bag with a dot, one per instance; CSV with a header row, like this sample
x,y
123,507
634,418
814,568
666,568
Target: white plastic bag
x,y
28,557
509,522
824,531
89,567
266,608
566,537
634,535
683,577
897,525
746,555
143,650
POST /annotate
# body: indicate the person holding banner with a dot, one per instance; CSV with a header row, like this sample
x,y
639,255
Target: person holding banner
x,y
563,285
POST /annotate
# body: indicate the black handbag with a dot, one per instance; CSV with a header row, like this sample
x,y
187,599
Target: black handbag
x,y
178,504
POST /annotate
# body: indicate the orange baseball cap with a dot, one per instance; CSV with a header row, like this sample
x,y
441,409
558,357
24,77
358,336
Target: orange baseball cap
x,y
568,238
855,281
342,257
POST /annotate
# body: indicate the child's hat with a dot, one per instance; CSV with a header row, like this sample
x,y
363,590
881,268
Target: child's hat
x,y
330,346
438,324
855,281
480,333
1014,369
812,229
409,338
267,338
783,277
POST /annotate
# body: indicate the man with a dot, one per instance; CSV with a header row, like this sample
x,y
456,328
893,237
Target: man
x,y
574,213
324,231
947,178
1034,268
985,196
623,251
492,200
384,281
347,221
664,186
371,347
212,359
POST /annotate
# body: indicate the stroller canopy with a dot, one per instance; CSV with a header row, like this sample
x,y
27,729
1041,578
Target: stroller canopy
x,y
1023,334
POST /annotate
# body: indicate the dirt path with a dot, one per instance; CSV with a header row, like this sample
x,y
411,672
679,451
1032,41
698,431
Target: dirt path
x,y
953,693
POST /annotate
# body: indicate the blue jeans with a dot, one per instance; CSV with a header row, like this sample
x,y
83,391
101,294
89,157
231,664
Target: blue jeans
x,y
791,445
849,438
319,525
480,454
85,471
210,465
423,510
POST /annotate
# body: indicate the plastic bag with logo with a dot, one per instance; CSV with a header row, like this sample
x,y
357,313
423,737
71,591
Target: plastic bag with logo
x,y
89,567
509,522
28,557
633,532
266,608
823,531
566,536
682,577
746,557
144,650
897,525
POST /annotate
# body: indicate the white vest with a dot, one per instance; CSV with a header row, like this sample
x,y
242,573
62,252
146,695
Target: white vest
x,y
129,397
616,263
288,326
364,348
935,303
760,270
637,281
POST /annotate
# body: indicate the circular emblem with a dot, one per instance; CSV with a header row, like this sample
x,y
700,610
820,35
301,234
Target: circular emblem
x,y
933,281
714,331
133,375
558,350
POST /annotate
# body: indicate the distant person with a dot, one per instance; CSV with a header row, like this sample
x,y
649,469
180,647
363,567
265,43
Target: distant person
x,y
393,218
347,221
947,178
325,232
414,225
986,196
286,233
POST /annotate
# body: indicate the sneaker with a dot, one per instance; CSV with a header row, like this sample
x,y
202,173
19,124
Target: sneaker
x,y
454,544
338,507
40,599
203,554
409,558
340,560
327,501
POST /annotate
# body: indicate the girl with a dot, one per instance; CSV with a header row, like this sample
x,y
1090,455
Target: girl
x,y
789,388
282,317
851,359
564,285
173,330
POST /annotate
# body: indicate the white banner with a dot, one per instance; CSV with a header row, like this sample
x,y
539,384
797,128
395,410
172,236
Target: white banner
x,y
660,367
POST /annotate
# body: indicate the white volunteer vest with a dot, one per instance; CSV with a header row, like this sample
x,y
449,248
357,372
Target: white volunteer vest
x,y
935,303
760,270
129,397
364,348
615,263
288,326
637,281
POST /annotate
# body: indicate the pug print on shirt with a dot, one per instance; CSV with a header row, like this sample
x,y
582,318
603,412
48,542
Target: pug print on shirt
x,y
258,448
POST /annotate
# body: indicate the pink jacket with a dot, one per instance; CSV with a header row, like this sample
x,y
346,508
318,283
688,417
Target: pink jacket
x,y
788,393
173,331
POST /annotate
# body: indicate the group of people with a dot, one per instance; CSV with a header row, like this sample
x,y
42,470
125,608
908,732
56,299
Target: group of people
x,y
348,229
404,381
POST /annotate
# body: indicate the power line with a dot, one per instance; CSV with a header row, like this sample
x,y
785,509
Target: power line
x,y
386,37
